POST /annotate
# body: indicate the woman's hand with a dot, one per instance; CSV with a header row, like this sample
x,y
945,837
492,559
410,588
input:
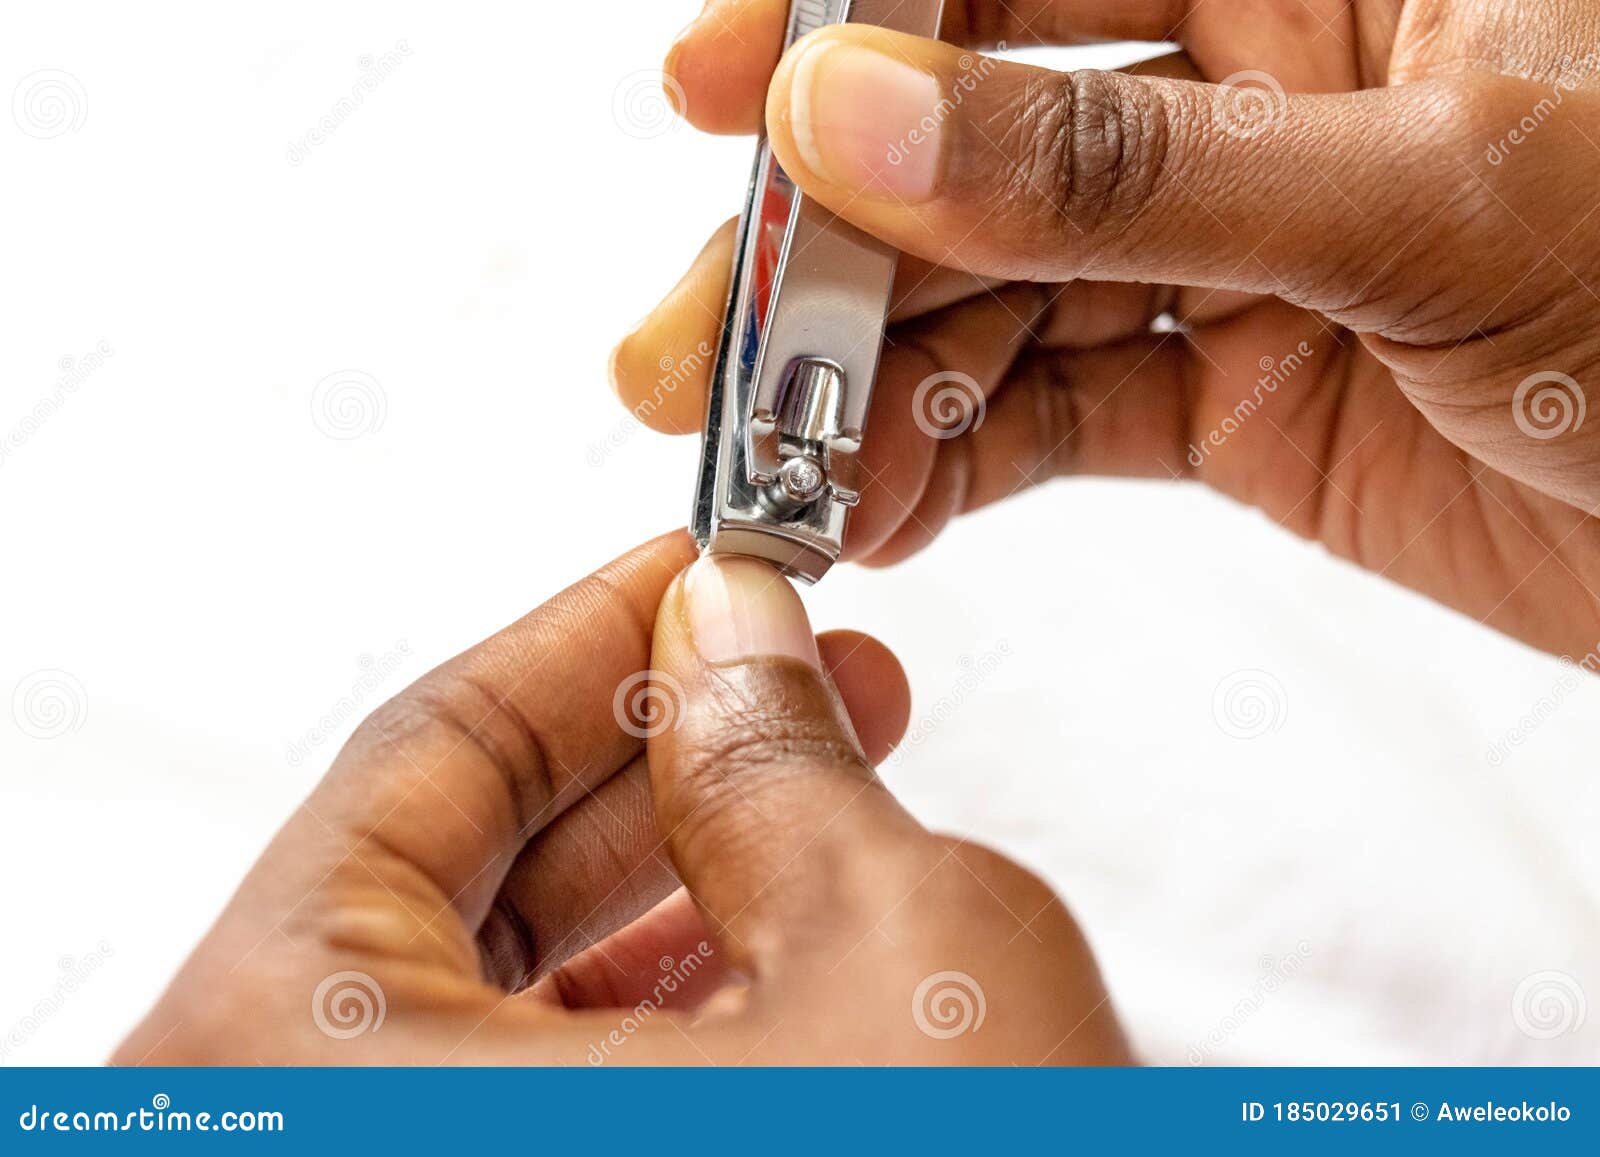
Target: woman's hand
x,y
463,886
1385,292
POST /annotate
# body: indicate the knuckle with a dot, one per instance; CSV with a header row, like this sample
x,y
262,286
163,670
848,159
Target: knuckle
x,y
445,713
1470,109
1470,124
1091,148
764,719
748,761
988,872
760,741
1478,154
995,894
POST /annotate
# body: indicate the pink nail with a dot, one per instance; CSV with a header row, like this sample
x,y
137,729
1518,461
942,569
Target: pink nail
x,y
866,121
742,609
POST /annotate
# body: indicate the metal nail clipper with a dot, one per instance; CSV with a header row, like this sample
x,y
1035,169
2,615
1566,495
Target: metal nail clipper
x,y
787,406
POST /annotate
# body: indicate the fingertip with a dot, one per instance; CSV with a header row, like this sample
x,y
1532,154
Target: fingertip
x,y
741,610
874,687
660,371
853,111
720,65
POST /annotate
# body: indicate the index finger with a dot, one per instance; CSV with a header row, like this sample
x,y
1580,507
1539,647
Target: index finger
x,y
720,64
440,788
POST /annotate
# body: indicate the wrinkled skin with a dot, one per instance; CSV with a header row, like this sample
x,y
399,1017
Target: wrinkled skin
x,y
1381,212
483,848
489,873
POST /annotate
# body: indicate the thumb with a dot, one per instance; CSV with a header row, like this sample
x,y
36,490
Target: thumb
x,y
762,793
1015,171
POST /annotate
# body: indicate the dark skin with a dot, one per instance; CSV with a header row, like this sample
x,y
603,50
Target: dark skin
x,y
498,859
474,836
1360,216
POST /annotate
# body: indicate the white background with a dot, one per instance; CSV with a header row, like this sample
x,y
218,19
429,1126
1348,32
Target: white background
x,y
215,572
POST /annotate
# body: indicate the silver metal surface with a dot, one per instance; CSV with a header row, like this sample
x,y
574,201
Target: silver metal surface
x,y
787,407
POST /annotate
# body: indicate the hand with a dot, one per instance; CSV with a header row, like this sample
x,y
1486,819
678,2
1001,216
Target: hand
x,y
460,887
1385,297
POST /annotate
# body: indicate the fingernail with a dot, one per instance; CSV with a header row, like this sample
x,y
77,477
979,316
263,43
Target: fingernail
x,y
743,609
862,119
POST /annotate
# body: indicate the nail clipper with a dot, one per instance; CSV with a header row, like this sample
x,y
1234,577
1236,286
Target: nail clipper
x,y
787,404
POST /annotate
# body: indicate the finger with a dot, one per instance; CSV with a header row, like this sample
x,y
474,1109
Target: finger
x,y
762,792
873,686
602,863
597,867
1262,409
664,958
720,63
1547,38
941,500
1280,413
1009,170
943,359
932,378
719,66
1149,406
660,371
442,786
934,385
